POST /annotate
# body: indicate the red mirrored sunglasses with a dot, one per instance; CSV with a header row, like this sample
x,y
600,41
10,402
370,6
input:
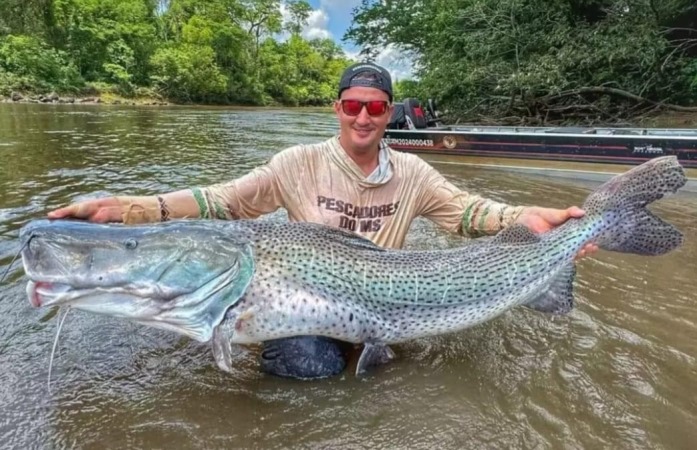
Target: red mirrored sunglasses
x,y
374,107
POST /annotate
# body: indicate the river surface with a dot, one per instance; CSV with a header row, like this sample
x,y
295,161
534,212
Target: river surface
x,y
620,371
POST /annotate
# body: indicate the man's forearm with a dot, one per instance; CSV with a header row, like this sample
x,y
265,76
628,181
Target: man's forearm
x,y
486,217
159,208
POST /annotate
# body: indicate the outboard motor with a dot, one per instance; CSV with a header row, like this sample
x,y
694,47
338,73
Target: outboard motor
x,y
432,114
398,119
432,108
413,110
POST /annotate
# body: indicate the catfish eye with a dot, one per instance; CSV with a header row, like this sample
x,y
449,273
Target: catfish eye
x,y
130,244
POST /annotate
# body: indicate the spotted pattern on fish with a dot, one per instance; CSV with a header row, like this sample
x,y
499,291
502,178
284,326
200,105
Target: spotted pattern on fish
x,y
259,281
389,296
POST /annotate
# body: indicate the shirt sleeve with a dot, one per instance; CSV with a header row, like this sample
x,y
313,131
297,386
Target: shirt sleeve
x,y
248,197
459,211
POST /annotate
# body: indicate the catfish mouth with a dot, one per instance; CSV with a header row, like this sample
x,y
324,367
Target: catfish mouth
x,y
44,293
113,301
194,314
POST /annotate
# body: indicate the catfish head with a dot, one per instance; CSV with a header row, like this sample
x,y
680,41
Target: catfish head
x,y
180,276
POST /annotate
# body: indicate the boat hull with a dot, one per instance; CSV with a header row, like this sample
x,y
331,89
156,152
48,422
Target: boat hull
x,y
609,146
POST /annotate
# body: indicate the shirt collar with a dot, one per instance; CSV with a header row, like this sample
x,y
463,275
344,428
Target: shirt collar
x,y
382,173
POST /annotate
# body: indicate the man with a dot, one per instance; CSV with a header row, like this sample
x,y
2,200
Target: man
x,y
351,181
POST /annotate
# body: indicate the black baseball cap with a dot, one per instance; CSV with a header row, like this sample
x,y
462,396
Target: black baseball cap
x,y
381,79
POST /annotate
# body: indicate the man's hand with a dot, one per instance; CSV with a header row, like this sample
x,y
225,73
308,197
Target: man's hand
x,y
540,220
100,210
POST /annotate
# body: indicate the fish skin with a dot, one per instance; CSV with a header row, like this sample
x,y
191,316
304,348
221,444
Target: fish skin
x,y
309,279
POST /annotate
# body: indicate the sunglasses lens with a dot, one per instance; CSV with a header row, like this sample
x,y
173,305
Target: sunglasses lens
x,y
354,107
376,107
351,107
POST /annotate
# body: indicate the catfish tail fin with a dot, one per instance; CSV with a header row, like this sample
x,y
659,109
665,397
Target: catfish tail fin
x,y
627,226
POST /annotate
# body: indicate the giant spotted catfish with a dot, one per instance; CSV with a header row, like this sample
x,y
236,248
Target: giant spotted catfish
x,y
242,282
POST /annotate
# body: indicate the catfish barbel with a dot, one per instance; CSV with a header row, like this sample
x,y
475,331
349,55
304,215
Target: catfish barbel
x,y
242,282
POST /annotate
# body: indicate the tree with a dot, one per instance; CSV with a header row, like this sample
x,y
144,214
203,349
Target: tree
x,y
299,11
538,61
327,48
211,51
261,17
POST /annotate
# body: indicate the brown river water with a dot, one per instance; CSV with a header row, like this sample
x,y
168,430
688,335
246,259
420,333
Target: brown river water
x,y
620,371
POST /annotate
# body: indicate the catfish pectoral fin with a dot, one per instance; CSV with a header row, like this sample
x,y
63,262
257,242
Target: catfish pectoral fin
x,y
226,353
373,354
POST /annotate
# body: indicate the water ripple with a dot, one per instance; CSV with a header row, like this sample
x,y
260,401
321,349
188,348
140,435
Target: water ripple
x,y
615,373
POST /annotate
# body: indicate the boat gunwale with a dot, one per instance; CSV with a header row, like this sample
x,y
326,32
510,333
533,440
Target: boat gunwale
x,y
467,132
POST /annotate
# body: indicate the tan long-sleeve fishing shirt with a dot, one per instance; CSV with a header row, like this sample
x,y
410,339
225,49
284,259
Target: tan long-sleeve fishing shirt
x,y
320,183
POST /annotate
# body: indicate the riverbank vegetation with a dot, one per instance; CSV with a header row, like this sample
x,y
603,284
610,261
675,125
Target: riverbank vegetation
x,y
499,61
203,51
533,62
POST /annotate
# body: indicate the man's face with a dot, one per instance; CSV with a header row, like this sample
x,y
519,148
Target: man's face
x,y
362,133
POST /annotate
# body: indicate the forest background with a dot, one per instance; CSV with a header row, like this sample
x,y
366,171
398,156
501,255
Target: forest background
x,y
517,61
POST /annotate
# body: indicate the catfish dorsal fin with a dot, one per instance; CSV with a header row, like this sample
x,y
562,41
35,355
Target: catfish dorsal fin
x,y
516,234
344,237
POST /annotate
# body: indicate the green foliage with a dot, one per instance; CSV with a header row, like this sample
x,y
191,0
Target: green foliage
x,y
547,59
214,51
25,17
98,34
327,48
188,73
407,89
299,11
296,73
499,58
26,61
10,82
690,72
